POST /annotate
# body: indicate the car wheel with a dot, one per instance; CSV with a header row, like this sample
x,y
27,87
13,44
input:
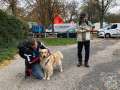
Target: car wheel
x,y
107,35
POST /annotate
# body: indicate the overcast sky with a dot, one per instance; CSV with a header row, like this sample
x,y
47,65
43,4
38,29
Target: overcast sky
x,y
116,9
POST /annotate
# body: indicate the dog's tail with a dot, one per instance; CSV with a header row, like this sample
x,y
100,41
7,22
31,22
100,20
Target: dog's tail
x,y
61,55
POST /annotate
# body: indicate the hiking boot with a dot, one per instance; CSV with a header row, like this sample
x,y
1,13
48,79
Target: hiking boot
x,y
87,65
79,64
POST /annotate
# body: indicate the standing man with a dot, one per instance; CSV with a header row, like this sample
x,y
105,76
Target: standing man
x,y
83,38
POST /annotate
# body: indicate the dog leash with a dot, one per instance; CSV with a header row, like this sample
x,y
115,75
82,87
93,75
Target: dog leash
x,y
46,62
49,59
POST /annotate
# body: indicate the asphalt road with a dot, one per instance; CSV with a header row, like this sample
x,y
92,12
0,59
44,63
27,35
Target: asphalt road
x,y
104,62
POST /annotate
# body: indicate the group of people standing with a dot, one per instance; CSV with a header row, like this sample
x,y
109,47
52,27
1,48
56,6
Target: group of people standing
x,y
29,49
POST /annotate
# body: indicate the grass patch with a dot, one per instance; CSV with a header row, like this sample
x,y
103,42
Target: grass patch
x,y
8,50
58,41
7,54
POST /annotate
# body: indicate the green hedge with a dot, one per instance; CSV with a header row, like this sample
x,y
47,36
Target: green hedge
x,y
11,29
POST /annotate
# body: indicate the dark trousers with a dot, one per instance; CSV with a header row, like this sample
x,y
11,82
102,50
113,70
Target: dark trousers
x,y
28,70
86,45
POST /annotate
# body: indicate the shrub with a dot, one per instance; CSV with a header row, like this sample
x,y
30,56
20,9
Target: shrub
x,y
11,29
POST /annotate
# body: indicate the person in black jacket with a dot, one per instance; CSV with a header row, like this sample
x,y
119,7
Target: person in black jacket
x,y
25,53
29,50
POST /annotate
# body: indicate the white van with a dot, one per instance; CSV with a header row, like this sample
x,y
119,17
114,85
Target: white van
x,y
110,31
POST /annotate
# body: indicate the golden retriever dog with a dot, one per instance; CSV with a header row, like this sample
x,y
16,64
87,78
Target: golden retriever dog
x,y
49,61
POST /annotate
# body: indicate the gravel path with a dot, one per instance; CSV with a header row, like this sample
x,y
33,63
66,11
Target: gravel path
x,y
104,76
12,76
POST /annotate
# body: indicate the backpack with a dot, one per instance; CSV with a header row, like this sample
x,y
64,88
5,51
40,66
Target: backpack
x,y
24,48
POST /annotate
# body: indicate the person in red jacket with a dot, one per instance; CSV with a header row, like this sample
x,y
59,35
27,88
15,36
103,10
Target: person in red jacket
x,y
58,20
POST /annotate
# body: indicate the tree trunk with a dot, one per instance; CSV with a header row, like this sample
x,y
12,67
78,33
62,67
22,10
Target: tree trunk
x,y
13,10
101,21
53,28
13,4
102,15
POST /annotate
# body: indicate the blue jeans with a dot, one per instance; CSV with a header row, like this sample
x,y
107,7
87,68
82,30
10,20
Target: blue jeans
x,y
37,71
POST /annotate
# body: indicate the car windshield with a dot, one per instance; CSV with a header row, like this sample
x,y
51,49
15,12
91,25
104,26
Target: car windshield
x,y
114,26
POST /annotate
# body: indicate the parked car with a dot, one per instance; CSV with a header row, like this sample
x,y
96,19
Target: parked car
x,y
110,31
97,25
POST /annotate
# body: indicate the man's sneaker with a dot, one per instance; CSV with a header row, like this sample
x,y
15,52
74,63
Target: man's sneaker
x,y
79,64
87,65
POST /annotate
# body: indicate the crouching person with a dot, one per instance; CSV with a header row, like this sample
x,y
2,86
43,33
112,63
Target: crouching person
x,y
37,70
29,50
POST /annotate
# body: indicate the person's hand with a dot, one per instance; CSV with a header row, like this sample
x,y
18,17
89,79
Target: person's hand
x,y
30,62
49,51
80,31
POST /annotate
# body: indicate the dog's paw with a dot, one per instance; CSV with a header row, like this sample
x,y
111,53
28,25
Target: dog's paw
x,y
44,78
61,70
48,78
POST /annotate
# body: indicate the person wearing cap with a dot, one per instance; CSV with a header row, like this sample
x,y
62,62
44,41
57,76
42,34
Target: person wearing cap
x,y
83,39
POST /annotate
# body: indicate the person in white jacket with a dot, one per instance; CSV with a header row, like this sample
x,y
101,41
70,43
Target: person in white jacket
x,y
83,39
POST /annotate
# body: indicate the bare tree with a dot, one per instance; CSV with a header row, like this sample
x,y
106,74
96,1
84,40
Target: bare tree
x,y
71,9
44,11
103,6
99,6
12,5
55,8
